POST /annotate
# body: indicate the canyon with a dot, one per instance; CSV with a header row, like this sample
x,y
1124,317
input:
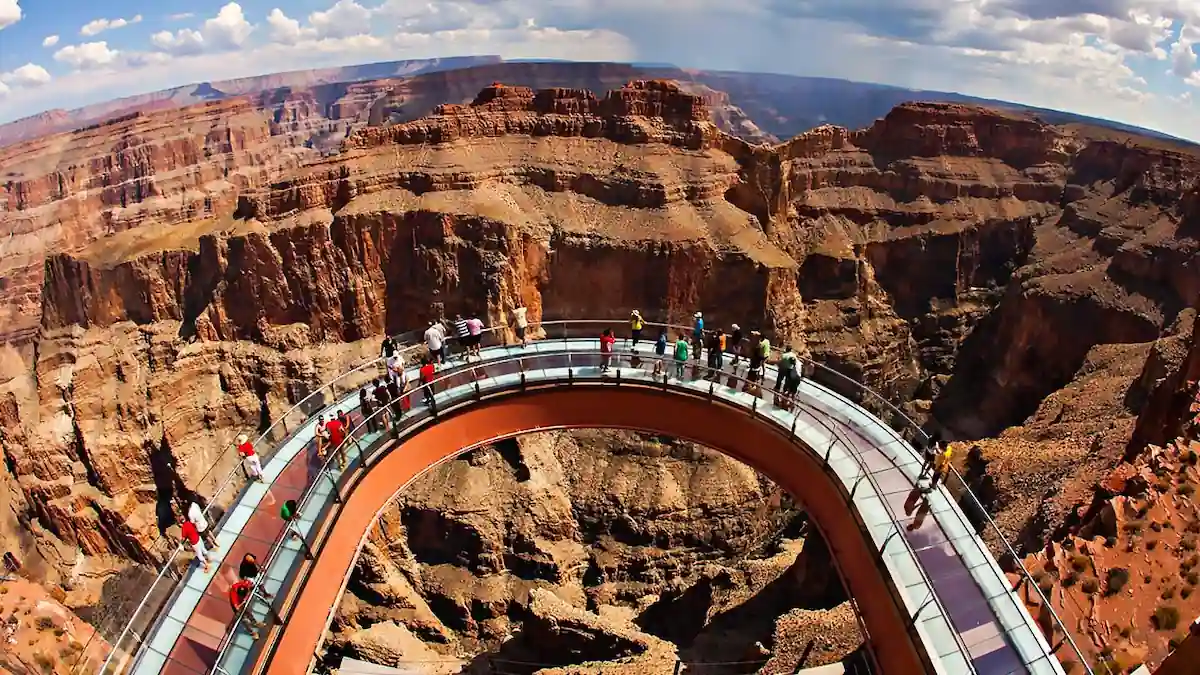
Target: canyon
x,y
172,278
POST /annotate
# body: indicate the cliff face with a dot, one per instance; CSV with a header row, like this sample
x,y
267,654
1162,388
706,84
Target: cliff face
x,y
175,278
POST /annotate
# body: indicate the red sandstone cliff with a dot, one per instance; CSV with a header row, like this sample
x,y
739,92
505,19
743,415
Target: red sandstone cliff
x,y
184,273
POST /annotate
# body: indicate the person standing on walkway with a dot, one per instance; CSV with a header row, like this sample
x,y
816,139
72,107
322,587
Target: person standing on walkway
x,y
435,342
606,349
463,332
387,348
715,347
636,324
698,334
681,355
475,330
382,399
521,325
660,352
197,517
929,454
735,346
347,420
397,402
427,374
941,466
337,439
787,363
248,569
251,464
367,407
240,594
395,366
191,537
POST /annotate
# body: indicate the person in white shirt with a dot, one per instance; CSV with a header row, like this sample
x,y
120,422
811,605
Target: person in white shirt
x,y
435,340
196,515
522,324
395,368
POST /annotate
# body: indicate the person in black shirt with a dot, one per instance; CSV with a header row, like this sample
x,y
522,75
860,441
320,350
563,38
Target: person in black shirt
x,y
394,394
734,345
367,407
382,398
248,570
387,348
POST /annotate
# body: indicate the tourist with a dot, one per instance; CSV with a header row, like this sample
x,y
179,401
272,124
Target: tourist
x,y
387,348
755,355
606,349
941,466
427,375
248,569
337,437
395,366
681,355
463,332
321,439
197,517
191,536
787,363
382,399
348,429
714,351
735,345
521,324
698,334
764,349
367,408
790,387
251,464
660,352
475,329
239,598
435,342
636,324
929,454
397,402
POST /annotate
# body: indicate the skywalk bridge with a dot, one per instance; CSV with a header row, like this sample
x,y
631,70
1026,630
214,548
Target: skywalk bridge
x,y
930,596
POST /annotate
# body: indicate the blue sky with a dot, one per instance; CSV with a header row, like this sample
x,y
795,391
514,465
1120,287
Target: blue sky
x,y
1131,60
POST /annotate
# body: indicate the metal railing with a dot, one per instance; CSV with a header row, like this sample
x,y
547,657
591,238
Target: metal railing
x,y
327,472
307,406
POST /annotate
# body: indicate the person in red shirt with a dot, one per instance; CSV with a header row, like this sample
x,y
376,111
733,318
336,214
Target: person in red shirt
x,y
337,438
427,373
191,536
239,598
250,461
606,349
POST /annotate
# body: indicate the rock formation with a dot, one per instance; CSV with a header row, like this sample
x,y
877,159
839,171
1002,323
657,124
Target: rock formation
x,y
173,278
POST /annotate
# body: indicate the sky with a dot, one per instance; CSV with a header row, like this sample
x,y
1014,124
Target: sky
x,y
1135,61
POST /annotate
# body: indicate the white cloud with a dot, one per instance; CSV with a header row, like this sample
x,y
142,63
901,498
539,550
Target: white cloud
x,y
343,19
50,41
10,13
3,90
28,75
87,56
98,26
285,30
181,16
1183,58
183,41
228,29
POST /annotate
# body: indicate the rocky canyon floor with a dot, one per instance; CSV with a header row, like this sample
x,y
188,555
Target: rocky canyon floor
x,y
169,279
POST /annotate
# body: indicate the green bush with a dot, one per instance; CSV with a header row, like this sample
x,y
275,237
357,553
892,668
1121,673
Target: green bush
x,y
1166,617
1116,580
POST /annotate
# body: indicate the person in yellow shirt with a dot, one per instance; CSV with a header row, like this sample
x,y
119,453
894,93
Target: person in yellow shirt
x,y
937,460
636,324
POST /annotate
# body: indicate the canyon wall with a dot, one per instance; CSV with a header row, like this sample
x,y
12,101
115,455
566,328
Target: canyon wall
x,y
172,279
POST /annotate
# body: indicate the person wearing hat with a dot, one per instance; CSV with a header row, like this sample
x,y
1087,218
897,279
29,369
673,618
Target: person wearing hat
x,y
636,324
250,461
697,335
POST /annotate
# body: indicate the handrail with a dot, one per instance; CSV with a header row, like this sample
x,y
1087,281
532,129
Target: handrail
x,y
235,470
819,416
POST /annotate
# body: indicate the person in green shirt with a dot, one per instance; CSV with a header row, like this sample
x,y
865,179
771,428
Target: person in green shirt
x,y
681,356
787,363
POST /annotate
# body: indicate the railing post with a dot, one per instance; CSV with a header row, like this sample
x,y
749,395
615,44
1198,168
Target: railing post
x,y
795,418
478,395
618,377
522,379
337,496
754,407
712,390
570,375
678,666
829,450
856,484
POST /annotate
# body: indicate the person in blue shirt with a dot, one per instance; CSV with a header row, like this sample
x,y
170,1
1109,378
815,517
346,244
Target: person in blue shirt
x,y
660,352
697,335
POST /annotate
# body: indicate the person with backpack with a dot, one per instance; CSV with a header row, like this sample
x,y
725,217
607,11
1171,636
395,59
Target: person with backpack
x,y
681,355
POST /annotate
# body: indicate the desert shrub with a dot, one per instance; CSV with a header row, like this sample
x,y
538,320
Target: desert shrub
x,y
1193,526
1191,458
1166,617
1193,577
1167,593
1151,544
1189,562
1080,562
1186,490
1044,582
1156,526
1186,592
44,623
1188,543
1116,580
1147,579
1090,585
